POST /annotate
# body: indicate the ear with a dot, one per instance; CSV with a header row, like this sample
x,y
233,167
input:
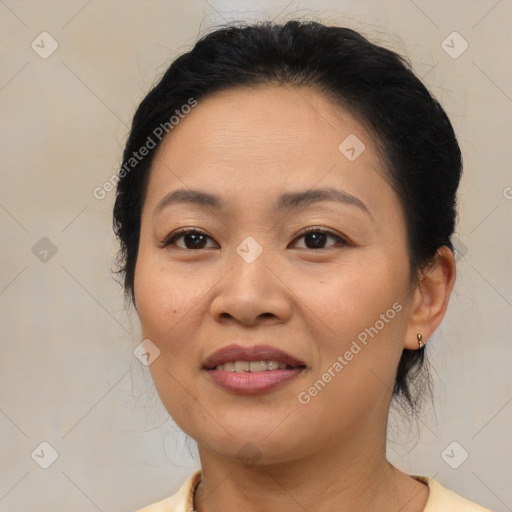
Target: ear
x,y
431,298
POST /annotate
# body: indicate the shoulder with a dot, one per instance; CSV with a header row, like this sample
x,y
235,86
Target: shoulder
x,y
181,501
441,499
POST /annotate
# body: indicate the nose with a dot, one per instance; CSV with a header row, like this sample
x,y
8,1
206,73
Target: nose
x,y
251,293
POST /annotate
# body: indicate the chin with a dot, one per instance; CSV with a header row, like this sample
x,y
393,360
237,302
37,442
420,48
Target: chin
x,y
251,444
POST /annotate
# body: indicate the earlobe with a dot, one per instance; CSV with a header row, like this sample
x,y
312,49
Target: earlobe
x,y
431,298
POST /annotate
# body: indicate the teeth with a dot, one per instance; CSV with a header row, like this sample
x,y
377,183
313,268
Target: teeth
x,y
257,366
253,366
241,366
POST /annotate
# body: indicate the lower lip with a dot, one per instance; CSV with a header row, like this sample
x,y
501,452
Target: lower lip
x,y
249,382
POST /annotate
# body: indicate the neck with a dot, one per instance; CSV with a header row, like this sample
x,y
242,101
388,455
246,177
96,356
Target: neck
x,y
355,477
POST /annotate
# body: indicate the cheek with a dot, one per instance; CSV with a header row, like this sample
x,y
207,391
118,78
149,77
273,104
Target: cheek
x,y
163,297
356,312
351,295
165,304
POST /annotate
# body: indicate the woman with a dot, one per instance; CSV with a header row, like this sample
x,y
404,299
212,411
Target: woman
x,y
284,211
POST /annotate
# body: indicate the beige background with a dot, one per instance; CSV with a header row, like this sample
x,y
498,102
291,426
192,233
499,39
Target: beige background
x,y
68,374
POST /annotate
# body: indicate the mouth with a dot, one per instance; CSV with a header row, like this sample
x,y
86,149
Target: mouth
x,y
259,358
252,369
254,366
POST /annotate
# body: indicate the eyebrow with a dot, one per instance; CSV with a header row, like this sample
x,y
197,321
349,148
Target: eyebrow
x,y
287,201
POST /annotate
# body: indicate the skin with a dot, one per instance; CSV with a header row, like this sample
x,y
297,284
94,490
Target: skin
x,y
249,146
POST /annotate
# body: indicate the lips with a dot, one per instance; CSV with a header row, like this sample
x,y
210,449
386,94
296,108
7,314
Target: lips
x,y
232,353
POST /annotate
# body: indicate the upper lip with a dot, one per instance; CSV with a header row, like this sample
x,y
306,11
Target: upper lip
x,y
231,353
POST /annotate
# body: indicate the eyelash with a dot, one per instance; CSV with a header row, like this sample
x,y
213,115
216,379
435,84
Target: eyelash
x,y
313,229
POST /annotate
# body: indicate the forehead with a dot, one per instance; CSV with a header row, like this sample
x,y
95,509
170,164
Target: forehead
x,y
263,140
246,120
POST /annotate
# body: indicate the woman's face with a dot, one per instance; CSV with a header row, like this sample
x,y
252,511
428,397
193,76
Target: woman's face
x,y
249,276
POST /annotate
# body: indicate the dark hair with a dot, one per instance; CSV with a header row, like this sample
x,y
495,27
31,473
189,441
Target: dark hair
x,y
377,86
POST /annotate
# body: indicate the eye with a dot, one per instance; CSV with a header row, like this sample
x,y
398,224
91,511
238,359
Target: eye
x,y
193,239
317,237
314,236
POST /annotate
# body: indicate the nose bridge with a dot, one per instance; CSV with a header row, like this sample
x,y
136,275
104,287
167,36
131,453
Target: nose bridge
x,y
250,250
249,274
250,289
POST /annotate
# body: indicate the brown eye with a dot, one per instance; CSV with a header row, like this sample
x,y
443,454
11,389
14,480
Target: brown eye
x,y
192,239
315,238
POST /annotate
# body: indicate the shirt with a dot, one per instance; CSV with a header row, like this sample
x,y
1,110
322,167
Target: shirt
x,y
440,499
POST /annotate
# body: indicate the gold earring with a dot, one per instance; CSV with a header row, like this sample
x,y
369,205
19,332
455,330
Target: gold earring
x,y
421,343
